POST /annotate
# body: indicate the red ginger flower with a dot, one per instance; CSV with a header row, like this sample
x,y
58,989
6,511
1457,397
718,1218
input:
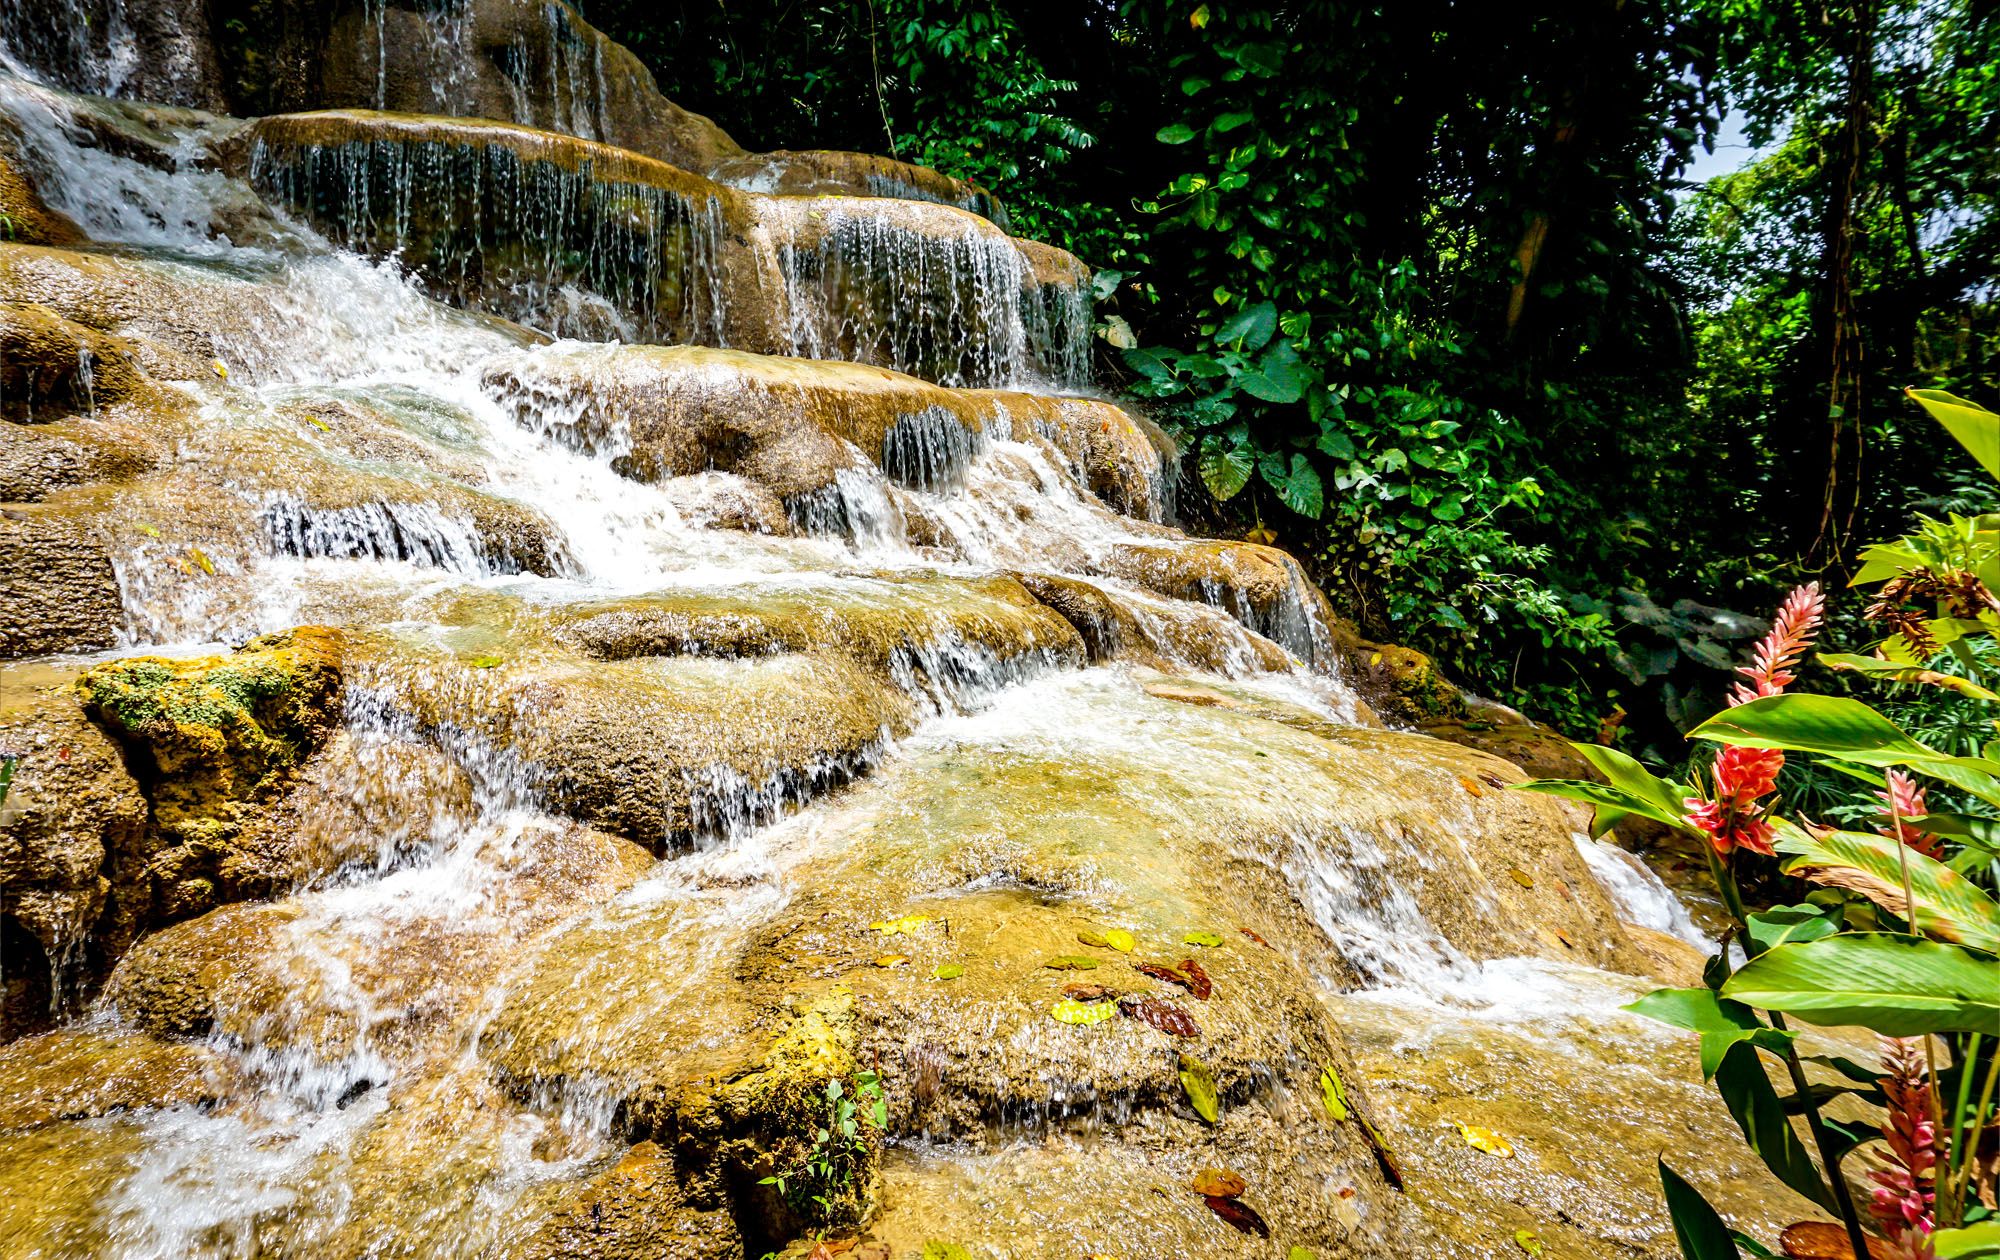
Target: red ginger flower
x,y
1731,816
1904,1191
1778,652
1906,800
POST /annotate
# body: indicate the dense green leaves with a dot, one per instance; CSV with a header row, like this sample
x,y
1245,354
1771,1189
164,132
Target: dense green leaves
x,y
1899,986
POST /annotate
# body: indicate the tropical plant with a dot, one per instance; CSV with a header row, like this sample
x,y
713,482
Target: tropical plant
x,y
822,1174
1900,936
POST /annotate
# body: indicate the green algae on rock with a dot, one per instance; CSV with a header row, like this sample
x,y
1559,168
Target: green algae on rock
x,y
211,738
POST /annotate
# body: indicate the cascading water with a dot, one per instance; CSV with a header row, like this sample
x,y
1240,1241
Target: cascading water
x,y
707,725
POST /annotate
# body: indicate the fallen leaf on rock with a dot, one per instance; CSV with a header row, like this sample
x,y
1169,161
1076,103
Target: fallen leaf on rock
x,y
905,926
1121,940
201,559
1527,1241
948,971
1069,1011
1218,1183
1300,1253
1164,1016
1824,1240
1199,1086
1471,785
1187,973
1391,1171
1198,982
1520,877
1092,938
1205,939
1071,962
1347,1192
1253,936
892,960
1238,1213
1485,1140
1087,992
935,1250
1332,1093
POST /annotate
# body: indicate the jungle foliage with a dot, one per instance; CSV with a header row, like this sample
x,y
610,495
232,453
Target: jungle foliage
x,y
1426,294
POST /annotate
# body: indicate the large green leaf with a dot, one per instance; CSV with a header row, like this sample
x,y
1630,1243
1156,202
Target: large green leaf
x,y
1699,1231
1974,1242
1630,789
1278,377
1835,726
1721,1024
1759,1112
1786,925
1900,986
1250,328
1613,805
1947,905
1224,472
1977,429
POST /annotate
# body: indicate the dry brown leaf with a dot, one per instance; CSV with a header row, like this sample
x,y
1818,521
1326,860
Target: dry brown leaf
x,y
1824,1240
1238,1213
1087,992
1164,1016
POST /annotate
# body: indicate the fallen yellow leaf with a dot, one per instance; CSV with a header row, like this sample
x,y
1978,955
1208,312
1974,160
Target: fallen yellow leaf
x,y
1486,1140
905,926
892,960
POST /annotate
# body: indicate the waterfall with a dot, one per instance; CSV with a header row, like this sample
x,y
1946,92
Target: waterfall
x,y
536,662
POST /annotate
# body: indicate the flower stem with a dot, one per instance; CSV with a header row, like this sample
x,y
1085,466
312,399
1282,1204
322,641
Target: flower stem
x,y
1843,1199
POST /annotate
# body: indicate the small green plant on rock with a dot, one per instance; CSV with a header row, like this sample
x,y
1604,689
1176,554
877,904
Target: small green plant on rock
x,y
822,1177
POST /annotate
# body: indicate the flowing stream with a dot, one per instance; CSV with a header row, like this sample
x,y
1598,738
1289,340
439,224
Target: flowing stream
x,y
669,667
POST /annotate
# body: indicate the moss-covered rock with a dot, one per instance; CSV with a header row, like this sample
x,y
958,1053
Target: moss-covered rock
x,y
212,738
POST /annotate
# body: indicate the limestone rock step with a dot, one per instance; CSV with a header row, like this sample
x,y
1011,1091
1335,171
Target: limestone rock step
x,y
582,238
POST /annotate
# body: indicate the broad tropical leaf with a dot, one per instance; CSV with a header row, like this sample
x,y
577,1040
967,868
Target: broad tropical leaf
x,y
1252,327
1900,986
1977,429
1974,1242
1835,726
1224,472
1612,805
1786,925
1948,905
1699,1231
1721,1024
1760,1113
